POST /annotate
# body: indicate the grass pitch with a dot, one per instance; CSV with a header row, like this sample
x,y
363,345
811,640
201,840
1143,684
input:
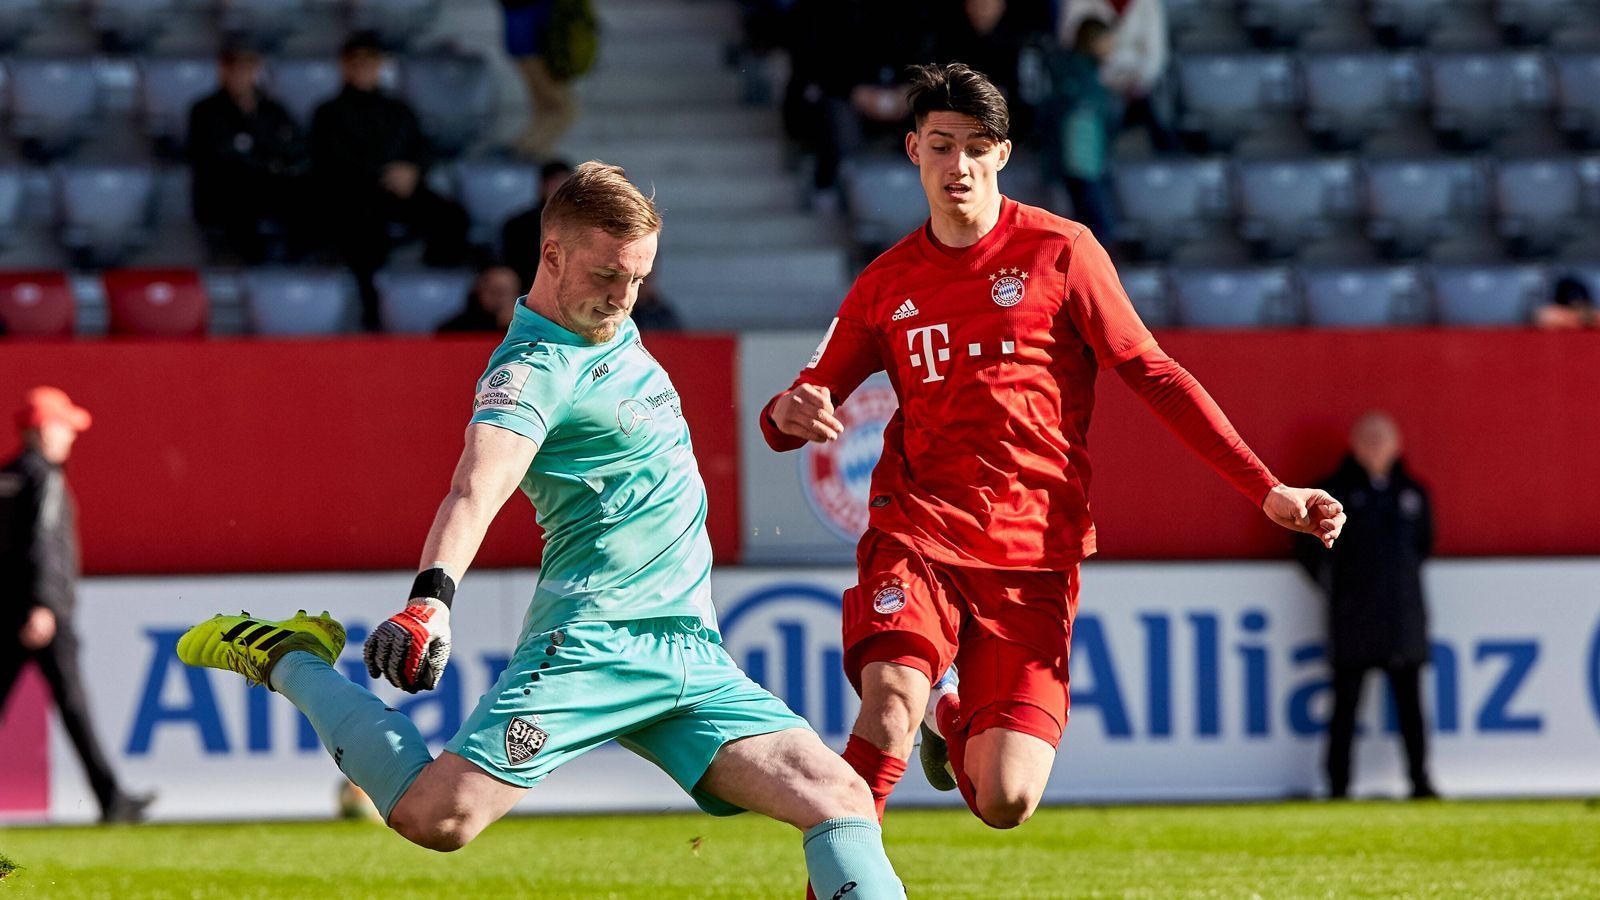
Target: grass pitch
x,y
1365,849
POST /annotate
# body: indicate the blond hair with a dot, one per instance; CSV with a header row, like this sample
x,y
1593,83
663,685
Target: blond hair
x,y
600,196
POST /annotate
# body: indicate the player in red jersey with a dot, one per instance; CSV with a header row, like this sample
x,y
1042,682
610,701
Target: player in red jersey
x,y
992,321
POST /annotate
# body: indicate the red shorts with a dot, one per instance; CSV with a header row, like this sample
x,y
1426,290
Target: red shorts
x,y
1009,633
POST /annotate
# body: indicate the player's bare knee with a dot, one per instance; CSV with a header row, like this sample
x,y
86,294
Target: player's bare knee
x,y
443,835
1007,807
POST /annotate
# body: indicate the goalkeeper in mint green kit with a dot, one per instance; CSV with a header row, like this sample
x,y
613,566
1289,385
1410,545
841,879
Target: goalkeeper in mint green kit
x,y
620,641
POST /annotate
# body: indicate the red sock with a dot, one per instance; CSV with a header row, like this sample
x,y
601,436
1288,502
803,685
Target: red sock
x,y
954,731
876,767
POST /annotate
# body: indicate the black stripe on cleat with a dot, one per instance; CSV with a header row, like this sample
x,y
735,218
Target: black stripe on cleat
x,y
238,629
274,640
256,635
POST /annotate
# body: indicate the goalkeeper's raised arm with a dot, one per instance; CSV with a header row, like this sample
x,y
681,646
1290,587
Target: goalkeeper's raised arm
x,y
411,648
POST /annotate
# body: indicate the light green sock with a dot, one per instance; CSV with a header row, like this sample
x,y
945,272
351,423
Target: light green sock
x,y
375,746
845,860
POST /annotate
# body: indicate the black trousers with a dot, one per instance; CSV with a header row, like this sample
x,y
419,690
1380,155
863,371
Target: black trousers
x,y
58,662
360,230
1405,684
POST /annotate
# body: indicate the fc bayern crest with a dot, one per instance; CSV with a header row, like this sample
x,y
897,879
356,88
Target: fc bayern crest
x,y
837,476
1007,286
891,598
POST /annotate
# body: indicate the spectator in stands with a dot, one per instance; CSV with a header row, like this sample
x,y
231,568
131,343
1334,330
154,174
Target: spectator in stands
x,y
249,163
523,234
1085,116
1138,57
989,35
1373,580
492,302
369,156
552,42
39,548
1571,307
651,312
847,62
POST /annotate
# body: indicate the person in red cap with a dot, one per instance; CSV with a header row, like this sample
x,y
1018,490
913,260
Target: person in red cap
x,y
39,552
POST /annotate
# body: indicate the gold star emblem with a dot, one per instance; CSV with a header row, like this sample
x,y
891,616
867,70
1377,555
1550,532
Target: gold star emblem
x,y
1024,276
993,277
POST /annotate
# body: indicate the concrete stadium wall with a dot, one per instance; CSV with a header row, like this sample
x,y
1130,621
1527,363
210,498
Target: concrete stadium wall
x,y
1190,682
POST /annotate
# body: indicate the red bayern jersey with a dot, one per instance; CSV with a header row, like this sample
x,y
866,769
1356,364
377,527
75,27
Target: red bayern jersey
x,y
993,351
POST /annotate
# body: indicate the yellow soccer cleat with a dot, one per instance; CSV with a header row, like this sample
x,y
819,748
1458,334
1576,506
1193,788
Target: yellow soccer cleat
x,y
251,646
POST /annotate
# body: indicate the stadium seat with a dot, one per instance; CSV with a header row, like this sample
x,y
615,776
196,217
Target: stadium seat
x,y
129,24
1363,297
884,198
1578,95
1290,22
1284,203
54,102
494,191
10,201
1163,203
1533,21
1486,295
35,304
1406,21
1351,96
18,20
1538,203
1233,298
1147,288
396,22
167,90
302,84
265,22
417,302
105,211
1412,203
156,302
299,301
1477,97
1224,95
453,96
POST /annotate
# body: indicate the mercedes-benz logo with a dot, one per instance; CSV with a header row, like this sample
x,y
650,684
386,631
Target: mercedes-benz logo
x,y
630,415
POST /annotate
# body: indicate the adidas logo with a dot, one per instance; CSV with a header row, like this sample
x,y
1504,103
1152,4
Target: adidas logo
x,y
906,311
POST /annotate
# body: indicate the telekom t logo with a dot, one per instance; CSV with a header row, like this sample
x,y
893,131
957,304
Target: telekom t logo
x,y
928,351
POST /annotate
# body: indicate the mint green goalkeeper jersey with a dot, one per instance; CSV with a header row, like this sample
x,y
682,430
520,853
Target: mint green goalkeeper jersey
x,y
614,482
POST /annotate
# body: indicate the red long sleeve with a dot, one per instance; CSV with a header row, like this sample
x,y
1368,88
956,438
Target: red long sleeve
x,y
1174,395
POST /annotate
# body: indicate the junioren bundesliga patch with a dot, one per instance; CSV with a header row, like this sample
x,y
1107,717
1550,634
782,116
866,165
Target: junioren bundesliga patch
x,y
501,388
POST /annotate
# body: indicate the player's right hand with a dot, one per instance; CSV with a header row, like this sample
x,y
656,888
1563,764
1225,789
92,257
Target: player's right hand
x,y
807,412
412,646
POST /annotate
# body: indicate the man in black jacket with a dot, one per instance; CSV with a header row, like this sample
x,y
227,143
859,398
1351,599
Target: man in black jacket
x,y
369,156
249,162
1373,580
39,547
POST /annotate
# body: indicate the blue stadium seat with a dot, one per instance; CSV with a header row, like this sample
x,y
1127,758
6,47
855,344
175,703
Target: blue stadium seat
x,y
265,22
1163,202
1281,21
105,211
1284,203
1363,297
1147,288
1538,203
1224,95
1578,94
303,84
299,301
167,90
453,96
418,301
396,22
18,20
885,200
1351,96
1486,295
129,24
1234,298
1412,203
492,192
1533,21
1406,21
1478,97
11,188
54,102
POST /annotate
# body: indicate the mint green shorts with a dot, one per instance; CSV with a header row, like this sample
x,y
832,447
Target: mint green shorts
x,y
663,688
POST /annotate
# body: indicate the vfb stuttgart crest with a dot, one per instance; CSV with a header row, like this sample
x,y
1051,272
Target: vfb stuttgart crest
x,y
837,476
1007,286
523,740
